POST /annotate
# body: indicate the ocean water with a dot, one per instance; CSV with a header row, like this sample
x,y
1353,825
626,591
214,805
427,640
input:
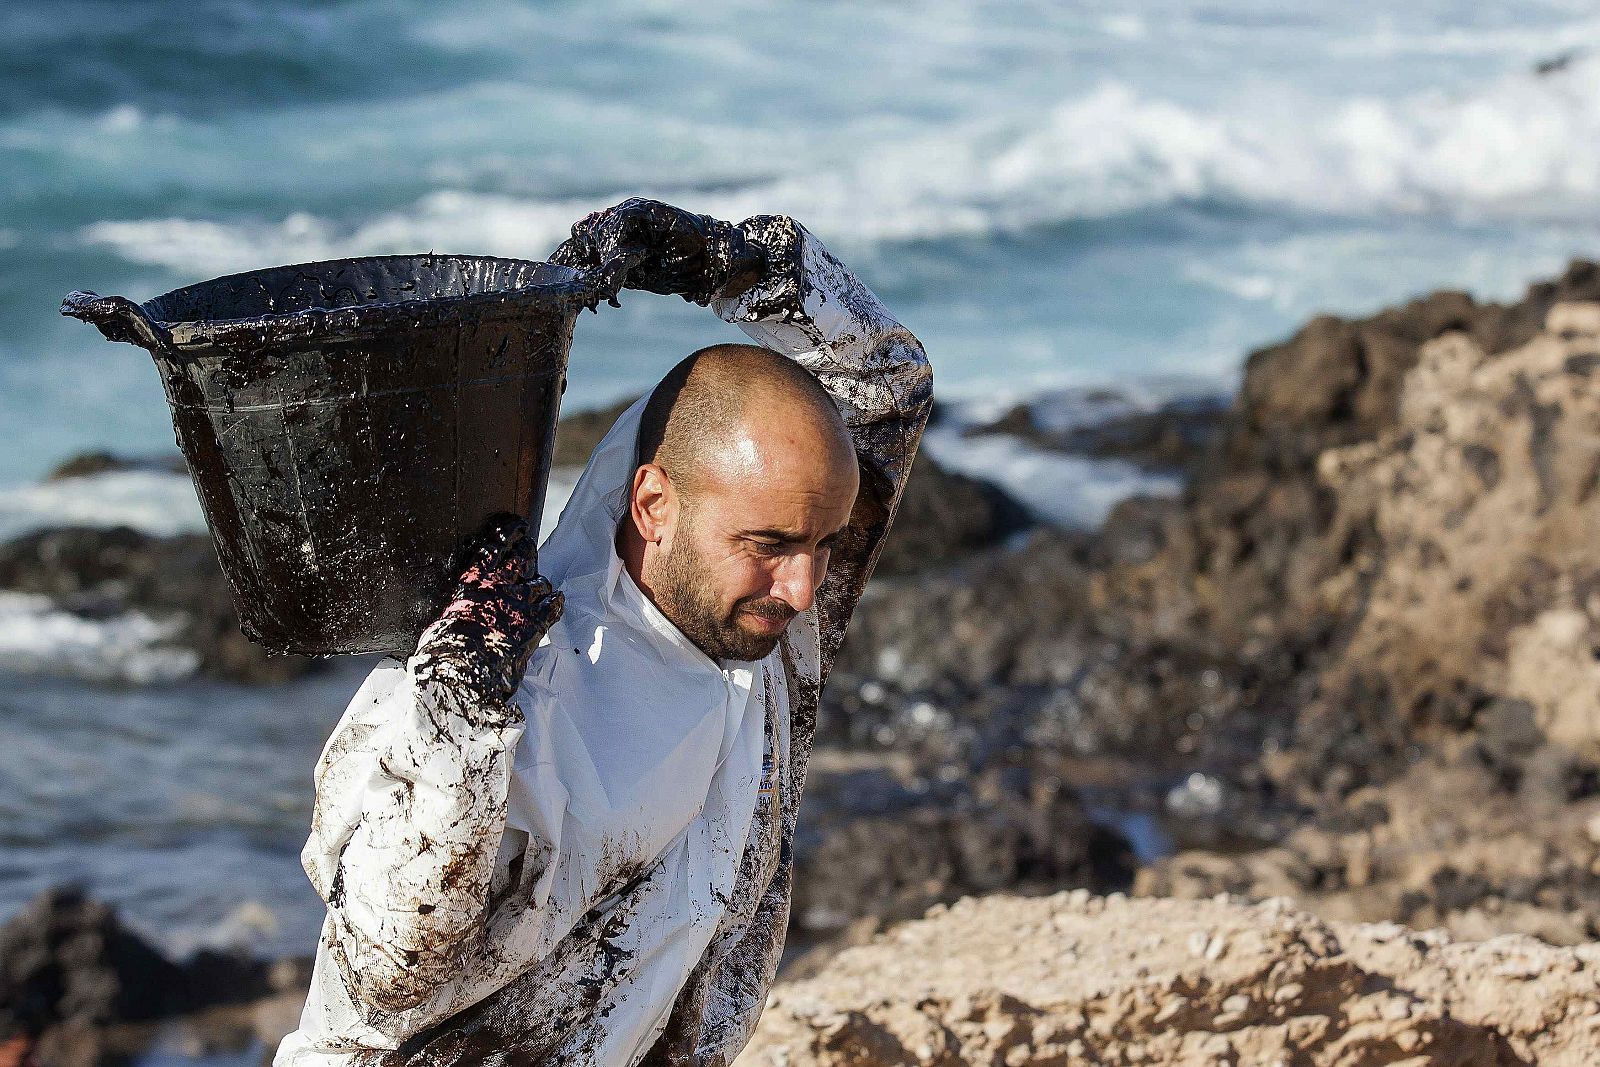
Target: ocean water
x,y
1053,195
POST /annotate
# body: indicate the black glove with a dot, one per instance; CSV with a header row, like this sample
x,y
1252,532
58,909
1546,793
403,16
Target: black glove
x,y
645,244
480,645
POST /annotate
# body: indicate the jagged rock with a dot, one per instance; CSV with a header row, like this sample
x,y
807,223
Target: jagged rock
x,y
1386,569
102,572
1078,979
1445,844
1482,574
88,463
578,432
944,517
1177,435
879,841
70,971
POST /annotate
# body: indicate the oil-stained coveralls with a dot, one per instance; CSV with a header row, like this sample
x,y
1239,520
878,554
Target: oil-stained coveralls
x,y
598,870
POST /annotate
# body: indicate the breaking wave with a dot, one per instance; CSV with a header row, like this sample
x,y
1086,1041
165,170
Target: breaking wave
x,y
36,637
1523,146
155,503
152,502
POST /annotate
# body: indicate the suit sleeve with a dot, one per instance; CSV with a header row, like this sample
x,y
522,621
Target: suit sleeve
x,y
406,830
810,307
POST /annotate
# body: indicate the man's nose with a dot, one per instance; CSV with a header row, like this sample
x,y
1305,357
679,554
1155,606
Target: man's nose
x,y
795,582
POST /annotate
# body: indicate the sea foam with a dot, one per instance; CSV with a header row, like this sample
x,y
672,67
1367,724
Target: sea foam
x,y
36,637
154,502
1525,145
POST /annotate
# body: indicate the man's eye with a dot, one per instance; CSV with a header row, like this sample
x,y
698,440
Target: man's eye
x,y
768,548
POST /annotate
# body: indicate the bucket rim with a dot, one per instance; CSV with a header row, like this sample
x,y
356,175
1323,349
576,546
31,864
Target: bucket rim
x,y
578,290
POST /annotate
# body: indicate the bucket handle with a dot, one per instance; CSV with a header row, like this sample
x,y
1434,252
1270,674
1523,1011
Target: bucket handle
x,y
119,319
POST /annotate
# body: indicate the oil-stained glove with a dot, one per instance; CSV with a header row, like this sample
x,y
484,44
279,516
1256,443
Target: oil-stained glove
x,y
645,244
478,648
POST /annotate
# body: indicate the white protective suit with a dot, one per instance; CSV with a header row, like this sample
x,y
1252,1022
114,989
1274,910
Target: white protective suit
x,y
602,870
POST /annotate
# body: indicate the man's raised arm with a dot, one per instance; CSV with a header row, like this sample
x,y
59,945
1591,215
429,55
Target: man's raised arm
x,y
777,282
809,306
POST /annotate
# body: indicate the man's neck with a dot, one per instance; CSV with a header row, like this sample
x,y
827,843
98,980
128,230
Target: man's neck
x,y
631,550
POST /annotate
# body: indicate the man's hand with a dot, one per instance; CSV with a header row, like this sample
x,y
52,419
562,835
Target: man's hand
x,y
645,244
479,647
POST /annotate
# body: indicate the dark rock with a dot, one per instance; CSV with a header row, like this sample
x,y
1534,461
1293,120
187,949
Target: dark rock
x,y
1556,63
579,432
66,961
88,463
107,571
1508,732
872,847
1018,652
1136,531
944,516
1177,436
1018,422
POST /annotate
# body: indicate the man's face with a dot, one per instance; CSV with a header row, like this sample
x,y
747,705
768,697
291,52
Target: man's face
x,y
747,551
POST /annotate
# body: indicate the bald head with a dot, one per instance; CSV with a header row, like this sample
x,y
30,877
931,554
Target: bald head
x,y
709,411
745,483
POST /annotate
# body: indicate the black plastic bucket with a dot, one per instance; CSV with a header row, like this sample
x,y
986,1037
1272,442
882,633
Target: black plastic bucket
x,y
350,424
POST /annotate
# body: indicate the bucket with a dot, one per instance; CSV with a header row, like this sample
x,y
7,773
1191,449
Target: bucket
x,y
350,425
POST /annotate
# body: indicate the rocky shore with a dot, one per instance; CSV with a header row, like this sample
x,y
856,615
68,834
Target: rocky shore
x,y
1076,979
1355,663
101,572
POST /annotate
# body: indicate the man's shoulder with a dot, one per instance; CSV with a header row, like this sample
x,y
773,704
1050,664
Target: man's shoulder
x,y
581,647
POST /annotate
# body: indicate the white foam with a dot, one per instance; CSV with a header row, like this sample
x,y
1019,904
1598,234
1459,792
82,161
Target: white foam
x,y
1067,490
36,637
1057,407
121,119
154,502
1525,146
157,503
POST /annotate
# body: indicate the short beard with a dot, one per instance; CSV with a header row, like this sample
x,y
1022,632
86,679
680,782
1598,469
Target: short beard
x,y
680,590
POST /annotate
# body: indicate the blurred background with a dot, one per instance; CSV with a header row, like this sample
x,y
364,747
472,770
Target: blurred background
x,y
1050,193
1095,210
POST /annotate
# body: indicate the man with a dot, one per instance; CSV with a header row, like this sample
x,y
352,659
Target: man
x,y
583,857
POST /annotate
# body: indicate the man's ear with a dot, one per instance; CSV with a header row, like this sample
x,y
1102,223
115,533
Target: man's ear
x,y
653,504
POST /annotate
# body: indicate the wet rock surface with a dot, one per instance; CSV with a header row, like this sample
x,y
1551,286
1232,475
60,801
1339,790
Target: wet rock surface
x,y
1382,576
100,573
945,517
1174,436
879,842
1446,844
1074,978
76,985
579,432
88,463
